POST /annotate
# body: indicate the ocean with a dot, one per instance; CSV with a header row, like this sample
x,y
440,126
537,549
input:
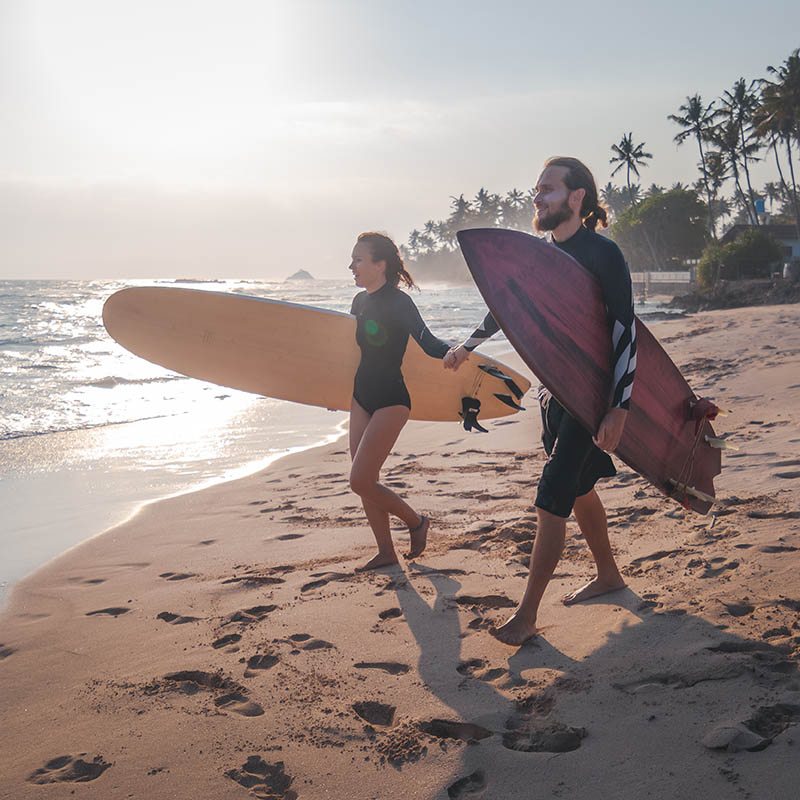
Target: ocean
x,y
90,432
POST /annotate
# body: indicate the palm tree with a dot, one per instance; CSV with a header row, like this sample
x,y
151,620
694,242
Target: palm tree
x,y
778,118
461,213
738,106
629,156
487,207
773,191
696,120
725,135
614,198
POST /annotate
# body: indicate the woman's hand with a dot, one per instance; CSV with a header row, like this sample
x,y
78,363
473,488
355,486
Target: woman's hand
x,y
455,357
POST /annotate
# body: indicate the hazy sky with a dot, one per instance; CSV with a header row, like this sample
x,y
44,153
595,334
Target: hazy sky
x,y
251,138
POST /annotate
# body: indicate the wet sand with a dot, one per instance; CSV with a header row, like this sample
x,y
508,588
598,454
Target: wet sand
x,y
220,644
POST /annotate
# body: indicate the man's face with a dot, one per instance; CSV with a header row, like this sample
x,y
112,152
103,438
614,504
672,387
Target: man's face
x,y
552,200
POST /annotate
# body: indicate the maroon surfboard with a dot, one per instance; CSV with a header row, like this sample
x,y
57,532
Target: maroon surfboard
x,y
552,311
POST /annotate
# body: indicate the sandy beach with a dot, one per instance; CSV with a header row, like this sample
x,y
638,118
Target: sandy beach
x,y
219,644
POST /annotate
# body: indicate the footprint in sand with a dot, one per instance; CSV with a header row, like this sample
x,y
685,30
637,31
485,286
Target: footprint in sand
x,y
317,644
177,576
247,616
287,537
254,581
239,703
263,779
375,713
233,698
485,601
206,542
323,578
470,666
231,638
5,652
754,734
260,662
391,613
392,667
448,729
175,619
470,785
66,769
112,612
549,737
714,571
740,609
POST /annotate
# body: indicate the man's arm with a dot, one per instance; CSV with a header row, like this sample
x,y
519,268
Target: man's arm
x,y
618,297
458,355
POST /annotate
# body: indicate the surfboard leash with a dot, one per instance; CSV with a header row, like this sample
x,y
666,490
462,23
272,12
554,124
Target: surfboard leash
x,y
701,410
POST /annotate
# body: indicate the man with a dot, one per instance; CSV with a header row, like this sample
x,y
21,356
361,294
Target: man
x,y
567,208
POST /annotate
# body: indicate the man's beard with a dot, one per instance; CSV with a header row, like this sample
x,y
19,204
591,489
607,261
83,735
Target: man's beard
x,y
562,214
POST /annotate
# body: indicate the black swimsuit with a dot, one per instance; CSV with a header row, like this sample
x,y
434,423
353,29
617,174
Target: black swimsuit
x,y
384,321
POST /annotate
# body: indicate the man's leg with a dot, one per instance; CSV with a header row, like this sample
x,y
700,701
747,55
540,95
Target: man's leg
x,y
547,548
591,517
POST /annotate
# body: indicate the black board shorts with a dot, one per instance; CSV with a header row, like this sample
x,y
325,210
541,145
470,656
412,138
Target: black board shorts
x,y
574,465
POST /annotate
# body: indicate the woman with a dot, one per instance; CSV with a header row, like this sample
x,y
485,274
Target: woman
x,y
385,317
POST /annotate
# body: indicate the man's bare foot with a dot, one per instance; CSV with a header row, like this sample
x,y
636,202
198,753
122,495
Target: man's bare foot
x,y
593,589
377,561
419,538
515,631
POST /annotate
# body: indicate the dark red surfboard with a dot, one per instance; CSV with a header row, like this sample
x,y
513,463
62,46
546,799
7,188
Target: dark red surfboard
x,y
552,311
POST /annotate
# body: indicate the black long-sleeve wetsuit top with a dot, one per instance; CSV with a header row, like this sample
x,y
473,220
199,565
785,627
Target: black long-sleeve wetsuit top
x,y
605,261
385,320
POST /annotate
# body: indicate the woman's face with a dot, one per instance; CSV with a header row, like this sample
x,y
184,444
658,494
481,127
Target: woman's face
x,y
368,274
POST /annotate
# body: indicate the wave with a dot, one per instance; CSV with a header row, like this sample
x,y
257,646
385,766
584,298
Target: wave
x,y
8,436
112,381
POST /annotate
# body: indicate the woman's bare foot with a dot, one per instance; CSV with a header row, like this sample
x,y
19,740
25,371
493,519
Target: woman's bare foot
x,y
379,560
419,538
593,589
515,630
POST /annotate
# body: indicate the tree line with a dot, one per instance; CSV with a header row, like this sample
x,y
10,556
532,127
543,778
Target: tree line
x,y
662,228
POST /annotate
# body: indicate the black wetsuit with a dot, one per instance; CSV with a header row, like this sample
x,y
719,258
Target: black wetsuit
x,y
575,462
385,320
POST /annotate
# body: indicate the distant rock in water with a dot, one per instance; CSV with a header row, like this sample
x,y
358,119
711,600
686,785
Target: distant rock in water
x,y
301,275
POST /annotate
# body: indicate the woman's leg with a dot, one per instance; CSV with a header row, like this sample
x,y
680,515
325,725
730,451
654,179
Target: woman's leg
x,y
371,440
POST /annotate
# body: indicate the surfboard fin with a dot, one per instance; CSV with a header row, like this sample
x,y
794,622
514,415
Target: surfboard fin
x,y
682,488
509,401
496,373
470,406
719,444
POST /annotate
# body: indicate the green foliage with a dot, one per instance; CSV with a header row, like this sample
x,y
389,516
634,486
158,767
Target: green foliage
x,y
662,231
709,266
751,255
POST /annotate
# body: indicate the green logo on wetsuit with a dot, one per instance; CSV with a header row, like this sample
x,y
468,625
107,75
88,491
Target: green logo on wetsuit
x,y
377,334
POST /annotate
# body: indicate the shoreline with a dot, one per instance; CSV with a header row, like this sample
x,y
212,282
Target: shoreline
x,y
130,509
220,641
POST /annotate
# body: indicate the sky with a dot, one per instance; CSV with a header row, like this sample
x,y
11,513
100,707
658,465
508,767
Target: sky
x,y
253,138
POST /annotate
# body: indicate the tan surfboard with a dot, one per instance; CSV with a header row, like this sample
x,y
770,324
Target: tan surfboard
x,y
291,352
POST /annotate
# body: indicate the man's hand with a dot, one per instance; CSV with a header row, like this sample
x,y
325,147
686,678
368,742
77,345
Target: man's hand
x,y
455,357
610,431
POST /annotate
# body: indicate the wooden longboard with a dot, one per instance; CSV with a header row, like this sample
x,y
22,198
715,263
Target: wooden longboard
x,y
288,351
552,311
